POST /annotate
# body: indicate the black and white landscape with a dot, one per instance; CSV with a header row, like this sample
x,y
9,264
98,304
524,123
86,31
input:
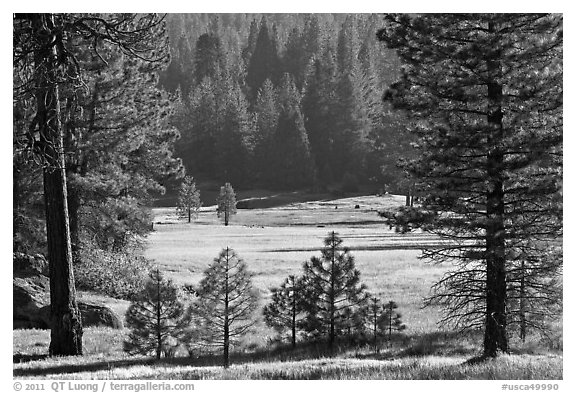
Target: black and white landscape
x,y
288,196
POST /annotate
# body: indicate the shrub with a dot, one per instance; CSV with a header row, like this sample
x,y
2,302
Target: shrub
x,y
119,275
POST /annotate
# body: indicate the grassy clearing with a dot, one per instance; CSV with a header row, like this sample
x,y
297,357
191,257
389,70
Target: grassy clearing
x,y
275,242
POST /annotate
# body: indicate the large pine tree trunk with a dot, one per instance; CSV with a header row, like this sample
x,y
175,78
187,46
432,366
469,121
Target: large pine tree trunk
x,y
522,302
66,325
495,337
226,319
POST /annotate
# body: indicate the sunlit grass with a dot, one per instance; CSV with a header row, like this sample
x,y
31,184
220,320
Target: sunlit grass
x,y
274,243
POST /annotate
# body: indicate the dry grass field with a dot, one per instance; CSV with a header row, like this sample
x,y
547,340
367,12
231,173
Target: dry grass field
x,y
275,242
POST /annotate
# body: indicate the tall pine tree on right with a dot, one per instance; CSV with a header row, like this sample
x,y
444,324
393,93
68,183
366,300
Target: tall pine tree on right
x,y
484,93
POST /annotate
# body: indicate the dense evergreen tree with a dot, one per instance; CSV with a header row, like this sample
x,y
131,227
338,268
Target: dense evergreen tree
x,y
197,123
264,62
226,202
226,301
485,91
332,60
347,47
155,318
266,111
119,151
45,64
335,290
351,126
374,317
318,110
209,57
188,199
286,308
233,134
291,163
391,319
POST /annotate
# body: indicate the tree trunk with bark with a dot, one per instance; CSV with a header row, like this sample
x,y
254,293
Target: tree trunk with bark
x,y
66,324
495,337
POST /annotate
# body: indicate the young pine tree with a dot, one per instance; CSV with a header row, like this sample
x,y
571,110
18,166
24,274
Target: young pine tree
x,y
335,289
291,162
287,305
374,313
188,199
226,202
155,318
225,303
391,320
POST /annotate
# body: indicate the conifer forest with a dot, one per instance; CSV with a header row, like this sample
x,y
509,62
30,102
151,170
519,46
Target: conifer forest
x,y
288,196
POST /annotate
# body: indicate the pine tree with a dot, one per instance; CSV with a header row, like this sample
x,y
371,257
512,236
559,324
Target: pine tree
x,y
119,150
351,124
347,47
266,111
374,316
198,123
225,304
485,93
226,202
391,320
155,317
251,45
44,57
188,199
208,58
292,163
234,134
285,310
264,62
318,111
335,289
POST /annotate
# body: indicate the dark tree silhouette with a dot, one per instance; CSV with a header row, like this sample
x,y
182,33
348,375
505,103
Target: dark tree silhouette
x,y
225,303
226,202
188,199
285,310
335,292
155,317
485,94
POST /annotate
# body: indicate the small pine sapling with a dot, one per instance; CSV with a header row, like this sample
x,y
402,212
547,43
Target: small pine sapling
x,y
226,202
188,199
391,319
287,306
335,292
156,318
226,300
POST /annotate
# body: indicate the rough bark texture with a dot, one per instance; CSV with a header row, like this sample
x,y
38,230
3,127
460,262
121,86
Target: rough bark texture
x,y
66,325
495,338
226,311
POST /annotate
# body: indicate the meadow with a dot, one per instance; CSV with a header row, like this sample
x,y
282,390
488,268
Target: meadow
x,y
274,242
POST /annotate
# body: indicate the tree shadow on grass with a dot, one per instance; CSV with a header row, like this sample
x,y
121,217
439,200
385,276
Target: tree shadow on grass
x,y
281,353
435,343
23,358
